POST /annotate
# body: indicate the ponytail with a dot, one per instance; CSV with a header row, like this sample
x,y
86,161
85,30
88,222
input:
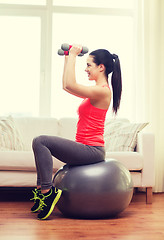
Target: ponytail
x,y
116,81
112,65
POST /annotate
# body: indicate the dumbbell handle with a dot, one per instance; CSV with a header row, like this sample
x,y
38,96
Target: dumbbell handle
x,y
62,53
67,47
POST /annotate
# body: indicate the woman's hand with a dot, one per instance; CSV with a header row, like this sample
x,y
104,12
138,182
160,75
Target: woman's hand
x,y
75,50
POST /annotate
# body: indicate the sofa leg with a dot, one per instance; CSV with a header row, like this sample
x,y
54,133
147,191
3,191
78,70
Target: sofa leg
x,y
149,195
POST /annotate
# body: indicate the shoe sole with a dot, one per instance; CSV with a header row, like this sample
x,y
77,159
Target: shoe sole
x,y
53,205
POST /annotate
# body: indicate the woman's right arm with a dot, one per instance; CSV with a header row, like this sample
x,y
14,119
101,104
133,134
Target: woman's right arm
x,y
65,64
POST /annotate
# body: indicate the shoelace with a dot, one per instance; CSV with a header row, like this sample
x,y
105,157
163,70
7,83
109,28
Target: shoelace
x,y
35,195
42,203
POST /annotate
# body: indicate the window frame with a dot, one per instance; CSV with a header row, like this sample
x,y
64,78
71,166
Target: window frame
x,y
46,15
45,51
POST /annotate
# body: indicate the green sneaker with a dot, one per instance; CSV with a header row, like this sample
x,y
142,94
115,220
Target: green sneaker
x,y
48,202
36,199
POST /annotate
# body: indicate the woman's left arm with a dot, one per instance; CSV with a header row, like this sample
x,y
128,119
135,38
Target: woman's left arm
x,y
69,79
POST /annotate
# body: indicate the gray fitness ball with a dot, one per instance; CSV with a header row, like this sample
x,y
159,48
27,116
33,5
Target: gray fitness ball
x,y
100,190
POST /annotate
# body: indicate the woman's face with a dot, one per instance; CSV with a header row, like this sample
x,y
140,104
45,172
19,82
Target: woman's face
x,y
92,69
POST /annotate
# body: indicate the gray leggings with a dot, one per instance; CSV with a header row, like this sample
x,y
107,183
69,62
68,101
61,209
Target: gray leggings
x,y
67,151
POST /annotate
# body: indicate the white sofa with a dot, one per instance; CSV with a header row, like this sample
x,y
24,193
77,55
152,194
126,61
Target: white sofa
x,y
17,167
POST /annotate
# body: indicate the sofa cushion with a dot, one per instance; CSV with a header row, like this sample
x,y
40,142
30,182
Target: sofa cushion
x,y
121,135
22,161
133,161
33,127
17,179
10,138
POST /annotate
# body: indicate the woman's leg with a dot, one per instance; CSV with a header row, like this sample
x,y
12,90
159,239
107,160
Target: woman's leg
x,y
65,150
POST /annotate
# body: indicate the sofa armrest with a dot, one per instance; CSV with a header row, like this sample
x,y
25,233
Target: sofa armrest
x,y
146,147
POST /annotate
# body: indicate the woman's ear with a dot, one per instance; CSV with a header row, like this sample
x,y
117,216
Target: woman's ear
x,y
102,67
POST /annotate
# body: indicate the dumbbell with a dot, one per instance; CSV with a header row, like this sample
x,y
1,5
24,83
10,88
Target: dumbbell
x,y
62,53
66,47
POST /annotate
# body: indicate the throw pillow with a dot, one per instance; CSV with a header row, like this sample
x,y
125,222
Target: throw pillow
x,y
10,138
121,136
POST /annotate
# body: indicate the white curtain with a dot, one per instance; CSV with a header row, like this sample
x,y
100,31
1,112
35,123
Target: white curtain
x,y
150,77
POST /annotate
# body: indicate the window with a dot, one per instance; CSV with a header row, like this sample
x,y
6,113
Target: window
x,y
32,31
95,3
28,2
20,65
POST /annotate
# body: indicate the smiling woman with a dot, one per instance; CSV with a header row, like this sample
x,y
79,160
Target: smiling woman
x,y
88,147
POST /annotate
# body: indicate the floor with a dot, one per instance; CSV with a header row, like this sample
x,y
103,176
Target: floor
x,y
139,221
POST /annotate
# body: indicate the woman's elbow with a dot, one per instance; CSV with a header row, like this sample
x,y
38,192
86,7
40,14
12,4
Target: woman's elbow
x,y
65,88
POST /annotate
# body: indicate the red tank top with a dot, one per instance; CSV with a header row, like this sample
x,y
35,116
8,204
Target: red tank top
x,y
90,126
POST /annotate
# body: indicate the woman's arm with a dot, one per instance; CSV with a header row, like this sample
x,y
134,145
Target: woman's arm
x,y
69,79
65,81
65,64
69,72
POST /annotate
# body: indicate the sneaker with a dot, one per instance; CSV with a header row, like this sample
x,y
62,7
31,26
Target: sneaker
x,y
36,199
48,202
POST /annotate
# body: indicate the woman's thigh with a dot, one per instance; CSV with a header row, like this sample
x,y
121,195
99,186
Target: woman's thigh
x,y
71,152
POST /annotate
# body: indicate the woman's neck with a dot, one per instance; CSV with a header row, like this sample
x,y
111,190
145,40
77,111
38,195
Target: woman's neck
x,y
101,81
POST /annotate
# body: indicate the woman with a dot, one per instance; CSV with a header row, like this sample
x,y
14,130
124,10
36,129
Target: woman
x,y
89,145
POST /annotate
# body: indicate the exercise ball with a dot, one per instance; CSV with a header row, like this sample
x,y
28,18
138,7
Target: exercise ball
x,y
100,190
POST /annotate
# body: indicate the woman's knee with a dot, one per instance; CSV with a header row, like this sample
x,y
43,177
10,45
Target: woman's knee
x,y
37,141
